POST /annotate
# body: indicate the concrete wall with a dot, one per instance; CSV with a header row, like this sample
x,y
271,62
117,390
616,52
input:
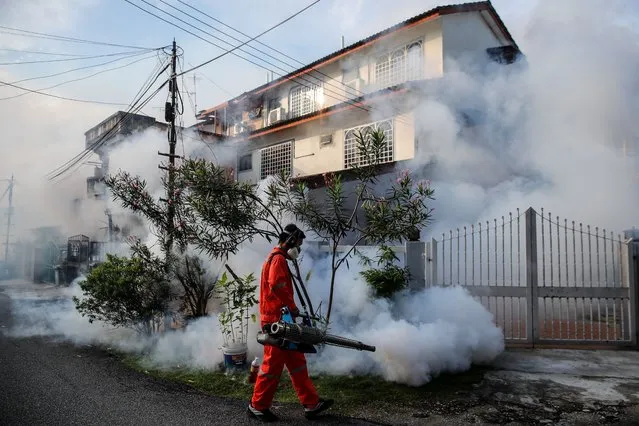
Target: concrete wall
x,y
466,37
310,157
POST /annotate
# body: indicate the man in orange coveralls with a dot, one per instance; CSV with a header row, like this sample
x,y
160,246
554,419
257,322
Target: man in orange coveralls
x,y
276,292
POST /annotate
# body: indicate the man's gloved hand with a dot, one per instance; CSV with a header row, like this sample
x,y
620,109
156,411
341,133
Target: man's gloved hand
x,y
295,312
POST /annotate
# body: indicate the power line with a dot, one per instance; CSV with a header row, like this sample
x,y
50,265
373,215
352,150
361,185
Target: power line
x,y
60,97
195,35
252,38
213,83
77,159
70,39
347,89
46,61
339,96
326,82
78,69
6,49
82,78
342,98
87,151
80,157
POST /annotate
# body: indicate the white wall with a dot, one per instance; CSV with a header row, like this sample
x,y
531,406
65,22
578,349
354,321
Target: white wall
x,y
311,158
466,36
429,32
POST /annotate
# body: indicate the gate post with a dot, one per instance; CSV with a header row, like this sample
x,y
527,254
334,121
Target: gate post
x,y
630,277
532,316
415,259
430,254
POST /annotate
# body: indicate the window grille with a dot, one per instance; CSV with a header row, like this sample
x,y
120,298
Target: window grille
x,y
400,65
275,159
352,155
305,100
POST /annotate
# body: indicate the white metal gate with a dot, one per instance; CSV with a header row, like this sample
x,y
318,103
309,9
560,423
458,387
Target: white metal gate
x,y
546,280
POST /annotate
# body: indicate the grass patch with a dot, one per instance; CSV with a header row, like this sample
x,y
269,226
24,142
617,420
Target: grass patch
x,y
354,394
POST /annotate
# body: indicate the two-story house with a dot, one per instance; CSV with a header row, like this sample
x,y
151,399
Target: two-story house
x,y
305,122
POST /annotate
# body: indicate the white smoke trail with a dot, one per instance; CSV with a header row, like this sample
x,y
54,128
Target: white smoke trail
x,y
552,133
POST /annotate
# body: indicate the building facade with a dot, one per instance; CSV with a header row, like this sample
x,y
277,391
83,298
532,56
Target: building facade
x,y
105,136
305,122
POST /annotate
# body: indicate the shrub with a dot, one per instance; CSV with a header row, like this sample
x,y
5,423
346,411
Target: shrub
x,y
130,292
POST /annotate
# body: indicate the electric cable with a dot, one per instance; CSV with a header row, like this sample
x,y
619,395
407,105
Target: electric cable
x,y
312,83
61,97
82,78
188,94
327,92
324,81
213,83
6,49
28,33
77,69
89,150
138,96
123,120
358,92
253,38
47,61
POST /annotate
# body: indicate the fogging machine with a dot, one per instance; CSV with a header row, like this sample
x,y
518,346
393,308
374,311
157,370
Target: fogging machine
x,y
288,335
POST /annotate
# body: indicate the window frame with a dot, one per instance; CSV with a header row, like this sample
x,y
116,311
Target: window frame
x,y
242,157
315,90
409,70
268,171
350,154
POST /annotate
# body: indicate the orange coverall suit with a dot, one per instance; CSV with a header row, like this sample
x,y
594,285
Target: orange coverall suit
x,y
276,291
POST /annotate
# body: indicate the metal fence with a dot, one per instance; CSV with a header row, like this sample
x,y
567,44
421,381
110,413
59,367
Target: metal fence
x,y
546,280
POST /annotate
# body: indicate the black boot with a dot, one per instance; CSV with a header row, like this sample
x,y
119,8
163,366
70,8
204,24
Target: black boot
x,y
322,405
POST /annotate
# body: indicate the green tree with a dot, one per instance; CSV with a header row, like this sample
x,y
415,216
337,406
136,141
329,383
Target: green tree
x,y
393,215
390,278
130,292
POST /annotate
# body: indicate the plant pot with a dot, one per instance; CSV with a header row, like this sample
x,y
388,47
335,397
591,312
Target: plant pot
x,y
235,355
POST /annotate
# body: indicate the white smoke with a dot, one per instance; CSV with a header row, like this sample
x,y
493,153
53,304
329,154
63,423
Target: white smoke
x,y
557,131
553,135
417,335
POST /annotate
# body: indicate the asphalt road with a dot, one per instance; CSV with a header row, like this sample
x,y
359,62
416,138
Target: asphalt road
x,y
43,382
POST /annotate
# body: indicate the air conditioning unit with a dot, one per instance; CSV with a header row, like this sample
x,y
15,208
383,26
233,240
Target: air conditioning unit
x,y
326,139
278,114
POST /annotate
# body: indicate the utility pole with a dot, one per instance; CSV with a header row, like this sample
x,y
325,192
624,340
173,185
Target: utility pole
x,y
169,115
195,93
110,225
9,214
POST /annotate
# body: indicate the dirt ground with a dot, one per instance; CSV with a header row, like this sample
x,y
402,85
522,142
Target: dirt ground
x,y
558,387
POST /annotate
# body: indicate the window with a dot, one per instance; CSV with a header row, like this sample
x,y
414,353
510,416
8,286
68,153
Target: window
x,y
353,157
275,159
305,100
398,66
245,163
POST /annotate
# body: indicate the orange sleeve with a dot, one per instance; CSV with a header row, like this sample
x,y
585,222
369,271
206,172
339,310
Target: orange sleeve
x,y
279,280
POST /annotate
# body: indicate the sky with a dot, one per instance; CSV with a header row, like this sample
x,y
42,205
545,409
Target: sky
x,y
40,133
311,35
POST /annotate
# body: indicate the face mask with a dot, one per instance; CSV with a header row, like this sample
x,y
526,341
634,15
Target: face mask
x,y
294,252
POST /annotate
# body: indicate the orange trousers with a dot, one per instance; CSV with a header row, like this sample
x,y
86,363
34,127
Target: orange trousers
x,y
269,376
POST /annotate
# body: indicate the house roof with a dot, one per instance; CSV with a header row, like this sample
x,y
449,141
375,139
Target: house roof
x,y
116,114
430,14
